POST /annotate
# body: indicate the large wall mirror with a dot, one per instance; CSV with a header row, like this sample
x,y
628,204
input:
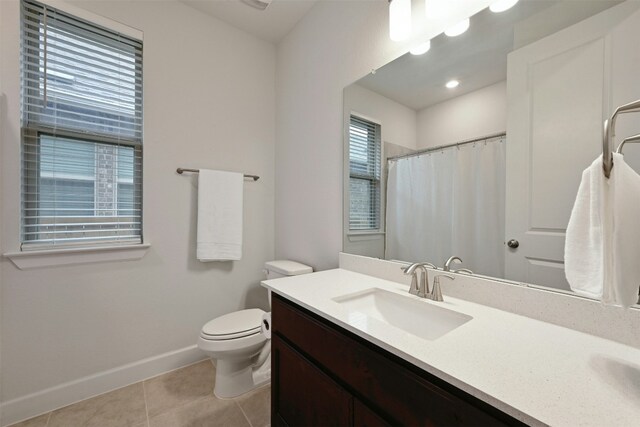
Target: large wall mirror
x,y
476,148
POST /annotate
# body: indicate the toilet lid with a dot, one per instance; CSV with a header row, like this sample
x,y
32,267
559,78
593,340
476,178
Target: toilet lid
x,y
234,325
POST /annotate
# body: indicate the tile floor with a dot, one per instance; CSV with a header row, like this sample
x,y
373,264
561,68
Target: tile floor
x,y
181,398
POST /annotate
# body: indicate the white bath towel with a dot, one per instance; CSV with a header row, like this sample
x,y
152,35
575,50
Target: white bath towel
x,y
602,248
219,215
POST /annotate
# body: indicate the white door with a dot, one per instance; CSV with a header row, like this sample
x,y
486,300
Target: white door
x,y
559,93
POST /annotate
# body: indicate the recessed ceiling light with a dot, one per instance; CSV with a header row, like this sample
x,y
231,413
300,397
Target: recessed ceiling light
x,y
421,48
452,84
458,29
502,5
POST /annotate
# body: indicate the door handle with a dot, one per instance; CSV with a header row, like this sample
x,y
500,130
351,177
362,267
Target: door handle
x,y
513,244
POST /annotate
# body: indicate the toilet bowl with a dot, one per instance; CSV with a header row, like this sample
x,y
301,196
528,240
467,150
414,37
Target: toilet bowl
x,y
235,341
241,351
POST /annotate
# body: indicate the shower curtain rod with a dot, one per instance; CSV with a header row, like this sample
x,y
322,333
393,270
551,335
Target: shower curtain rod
x,y
442,147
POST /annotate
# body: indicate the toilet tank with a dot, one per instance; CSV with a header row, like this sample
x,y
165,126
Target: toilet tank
x,y
284,268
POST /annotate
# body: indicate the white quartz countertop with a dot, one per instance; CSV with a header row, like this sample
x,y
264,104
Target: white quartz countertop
x,y
534,371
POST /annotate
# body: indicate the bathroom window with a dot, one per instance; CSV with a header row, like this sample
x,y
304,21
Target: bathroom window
x,y
81,132
364,174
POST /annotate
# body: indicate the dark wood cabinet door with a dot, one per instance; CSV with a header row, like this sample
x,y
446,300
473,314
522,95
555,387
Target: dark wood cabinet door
x,y
365,417
302,395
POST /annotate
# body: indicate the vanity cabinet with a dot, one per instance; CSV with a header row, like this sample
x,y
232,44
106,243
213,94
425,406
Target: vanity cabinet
x,y
324,375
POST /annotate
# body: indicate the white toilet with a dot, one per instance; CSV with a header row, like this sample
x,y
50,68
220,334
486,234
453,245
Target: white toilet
x,y
241,351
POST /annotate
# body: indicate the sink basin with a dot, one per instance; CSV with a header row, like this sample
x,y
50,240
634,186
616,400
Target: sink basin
x,y
416,317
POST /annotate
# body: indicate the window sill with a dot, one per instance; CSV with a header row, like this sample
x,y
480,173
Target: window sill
x,y
28,260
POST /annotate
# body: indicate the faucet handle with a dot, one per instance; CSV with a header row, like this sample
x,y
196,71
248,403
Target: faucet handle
x,y
463,270
436,292
413,288
409,269
423,291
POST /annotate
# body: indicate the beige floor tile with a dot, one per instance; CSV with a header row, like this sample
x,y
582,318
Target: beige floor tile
x,y
257,406
171,390
118,408
40,421
207,412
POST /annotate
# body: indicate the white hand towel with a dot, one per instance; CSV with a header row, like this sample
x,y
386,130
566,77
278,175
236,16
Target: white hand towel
x,y
583,249
219,215
602,248
622,289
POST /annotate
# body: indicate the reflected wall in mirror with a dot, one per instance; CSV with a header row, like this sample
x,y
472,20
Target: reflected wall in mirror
x,y
488,170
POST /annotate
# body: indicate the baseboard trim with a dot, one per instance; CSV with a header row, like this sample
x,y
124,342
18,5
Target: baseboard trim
x,y
47,400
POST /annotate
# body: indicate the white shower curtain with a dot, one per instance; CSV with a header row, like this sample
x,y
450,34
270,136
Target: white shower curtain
x,y
449,202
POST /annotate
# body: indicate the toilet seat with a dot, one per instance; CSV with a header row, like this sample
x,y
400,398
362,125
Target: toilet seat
x,y
234,325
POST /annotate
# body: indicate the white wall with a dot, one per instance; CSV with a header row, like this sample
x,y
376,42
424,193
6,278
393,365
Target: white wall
x,y
475,114
209,93
335,44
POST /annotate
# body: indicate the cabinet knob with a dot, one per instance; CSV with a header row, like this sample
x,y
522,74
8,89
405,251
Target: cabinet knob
x,y
513,243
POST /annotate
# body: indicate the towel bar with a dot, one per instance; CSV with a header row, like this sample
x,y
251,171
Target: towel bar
x,y
631,140
182,170
610,131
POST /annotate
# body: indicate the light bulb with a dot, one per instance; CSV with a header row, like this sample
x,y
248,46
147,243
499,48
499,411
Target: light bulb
x,y
458,29
399,20
421,49
434,9
452,84
502,5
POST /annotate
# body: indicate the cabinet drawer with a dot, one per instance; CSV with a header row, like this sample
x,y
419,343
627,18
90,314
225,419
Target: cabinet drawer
x,y
378,378
302,394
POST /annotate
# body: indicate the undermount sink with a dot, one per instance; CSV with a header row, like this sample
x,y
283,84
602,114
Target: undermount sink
x,y
414,316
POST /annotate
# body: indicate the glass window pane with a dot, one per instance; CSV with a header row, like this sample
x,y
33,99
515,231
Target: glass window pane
x,y
89,86
364,171
85,190
363,204
66,197
81,106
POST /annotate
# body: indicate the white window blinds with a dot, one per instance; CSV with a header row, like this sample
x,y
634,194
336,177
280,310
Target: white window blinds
x,y
364,174
81,132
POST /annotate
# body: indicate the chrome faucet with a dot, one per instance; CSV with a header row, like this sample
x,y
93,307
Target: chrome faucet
x,y
421,290
447,266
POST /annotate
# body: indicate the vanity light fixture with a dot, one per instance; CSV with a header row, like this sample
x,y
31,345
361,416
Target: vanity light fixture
x,y
421,49
502,5
434,9
399,19
452,84
458,29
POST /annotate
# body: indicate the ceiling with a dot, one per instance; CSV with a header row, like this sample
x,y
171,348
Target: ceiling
x,y
477,58
271,24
